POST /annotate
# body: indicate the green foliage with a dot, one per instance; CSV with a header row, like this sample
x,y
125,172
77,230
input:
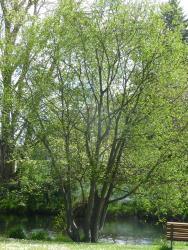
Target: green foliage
x,y
36,190
39,235
123,209
94,107
38,187
60,220
164,245
112,104
175,19
18,42
17,232
62,238
12,200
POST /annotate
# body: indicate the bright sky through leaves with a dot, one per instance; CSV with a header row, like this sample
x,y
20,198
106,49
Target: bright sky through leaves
x,y
184,4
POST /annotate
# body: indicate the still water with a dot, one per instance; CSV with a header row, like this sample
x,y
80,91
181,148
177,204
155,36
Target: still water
x,y
129,230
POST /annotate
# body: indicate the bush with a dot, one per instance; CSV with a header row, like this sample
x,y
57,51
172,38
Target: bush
x,y
39,235
63,238
164,245
17,233
60,220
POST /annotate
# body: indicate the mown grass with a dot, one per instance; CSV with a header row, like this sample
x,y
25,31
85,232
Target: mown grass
x,y
11,244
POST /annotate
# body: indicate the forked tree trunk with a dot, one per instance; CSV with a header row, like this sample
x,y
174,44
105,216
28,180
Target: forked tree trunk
x,y
98,216
88,213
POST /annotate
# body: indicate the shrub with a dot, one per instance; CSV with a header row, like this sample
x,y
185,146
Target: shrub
x,y
164,245
39,235
60,220
17,233
63,238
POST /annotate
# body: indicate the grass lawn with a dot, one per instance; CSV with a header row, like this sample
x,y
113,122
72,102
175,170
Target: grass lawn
x,y
11,244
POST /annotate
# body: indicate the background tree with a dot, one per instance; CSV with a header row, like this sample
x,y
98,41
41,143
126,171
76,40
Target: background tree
x,y
17,34
175,19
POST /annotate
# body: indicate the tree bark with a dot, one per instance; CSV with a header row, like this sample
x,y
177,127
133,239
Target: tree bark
x,y
88,214
6,164
72,229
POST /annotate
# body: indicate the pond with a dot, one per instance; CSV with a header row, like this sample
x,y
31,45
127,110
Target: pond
x,y
129,230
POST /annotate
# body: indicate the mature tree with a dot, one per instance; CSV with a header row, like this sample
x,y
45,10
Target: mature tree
x,y
17,34
103,91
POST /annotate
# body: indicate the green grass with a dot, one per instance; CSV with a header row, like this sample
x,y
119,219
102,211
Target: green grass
x,y
12,244
120,247
110,247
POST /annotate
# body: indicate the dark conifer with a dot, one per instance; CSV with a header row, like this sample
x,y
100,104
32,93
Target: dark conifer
x,y
175,19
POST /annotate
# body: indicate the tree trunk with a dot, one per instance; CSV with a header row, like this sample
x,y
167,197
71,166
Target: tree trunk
x,y
6,164
72,229
96,217
88,213
103,215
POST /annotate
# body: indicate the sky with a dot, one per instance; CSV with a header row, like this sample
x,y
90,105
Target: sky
x,y
184,4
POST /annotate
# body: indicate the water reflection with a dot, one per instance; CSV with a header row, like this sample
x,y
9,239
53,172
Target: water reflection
x,y
130,230
28,222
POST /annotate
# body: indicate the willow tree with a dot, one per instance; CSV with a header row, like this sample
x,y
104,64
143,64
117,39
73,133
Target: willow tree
x,y
109,80
17,34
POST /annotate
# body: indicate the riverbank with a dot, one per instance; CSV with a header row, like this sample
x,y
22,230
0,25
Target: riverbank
x,y
11,244
124,231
